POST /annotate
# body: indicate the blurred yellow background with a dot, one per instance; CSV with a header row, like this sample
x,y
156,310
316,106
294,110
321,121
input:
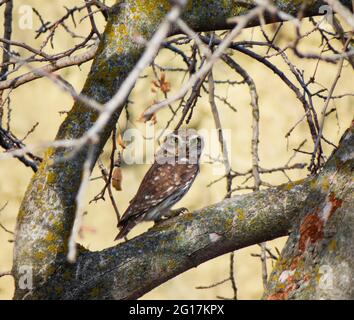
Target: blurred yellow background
x,y
42,101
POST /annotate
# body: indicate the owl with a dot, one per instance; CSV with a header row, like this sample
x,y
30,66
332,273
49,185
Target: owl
x,y
173,172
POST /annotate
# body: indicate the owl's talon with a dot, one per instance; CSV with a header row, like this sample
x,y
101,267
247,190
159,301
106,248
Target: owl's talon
x,y
177,212
170,214
158,221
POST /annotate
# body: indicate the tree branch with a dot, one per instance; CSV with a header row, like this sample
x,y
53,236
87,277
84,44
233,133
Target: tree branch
x,y
62,63
132,268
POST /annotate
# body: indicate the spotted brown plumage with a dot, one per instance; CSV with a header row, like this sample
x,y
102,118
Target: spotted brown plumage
x,y
166,182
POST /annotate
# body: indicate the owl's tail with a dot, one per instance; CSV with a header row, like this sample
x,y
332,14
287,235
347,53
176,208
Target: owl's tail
x,y
125,226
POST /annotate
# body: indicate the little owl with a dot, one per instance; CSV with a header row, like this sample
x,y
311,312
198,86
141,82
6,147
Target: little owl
x,y
169,178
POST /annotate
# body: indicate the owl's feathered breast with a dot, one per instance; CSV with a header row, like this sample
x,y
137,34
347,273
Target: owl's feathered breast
x,y
160,184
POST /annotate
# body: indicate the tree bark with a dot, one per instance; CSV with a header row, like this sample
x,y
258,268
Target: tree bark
x,y
317,261
47,212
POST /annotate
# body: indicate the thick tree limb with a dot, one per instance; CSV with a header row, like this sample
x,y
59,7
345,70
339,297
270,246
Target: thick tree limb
x,y
133,268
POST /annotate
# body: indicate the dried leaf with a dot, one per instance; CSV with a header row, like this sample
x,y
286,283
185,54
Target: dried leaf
x,y
117,178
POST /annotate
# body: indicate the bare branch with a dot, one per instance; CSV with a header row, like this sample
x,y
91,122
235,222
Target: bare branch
x,y
324,109
5,273
80,206
343,11
62,63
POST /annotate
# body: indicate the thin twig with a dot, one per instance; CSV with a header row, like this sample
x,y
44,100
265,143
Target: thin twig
x,y
5,273
214,284
80,205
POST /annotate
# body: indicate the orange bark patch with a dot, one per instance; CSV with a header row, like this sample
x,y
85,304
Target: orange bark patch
x,y
283,295
295,262
278,296
336,203
307,277
311,230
